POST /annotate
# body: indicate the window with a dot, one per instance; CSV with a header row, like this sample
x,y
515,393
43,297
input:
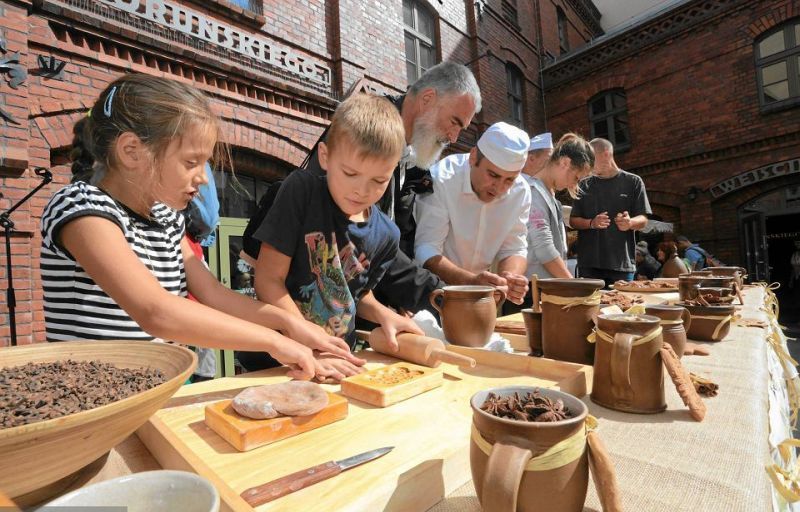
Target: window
x,y
778,66
257,6
514,85
420,37
563,39
608,116
509,8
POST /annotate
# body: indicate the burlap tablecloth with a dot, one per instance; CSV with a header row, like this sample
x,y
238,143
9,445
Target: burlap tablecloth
x,y
669,462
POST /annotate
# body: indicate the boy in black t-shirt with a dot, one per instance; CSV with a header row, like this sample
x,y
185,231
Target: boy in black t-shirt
x,y
325,245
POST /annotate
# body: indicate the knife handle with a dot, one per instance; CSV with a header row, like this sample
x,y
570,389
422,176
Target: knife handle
x,y
275,489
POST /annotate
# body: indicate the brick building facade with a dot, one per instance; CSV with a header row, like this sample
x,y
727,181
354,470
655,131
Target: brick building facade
x,y
704,97
274,70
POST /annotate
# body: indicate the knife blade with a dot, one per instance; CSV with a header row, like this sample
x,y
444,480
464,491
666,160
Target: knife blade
x,y
275,489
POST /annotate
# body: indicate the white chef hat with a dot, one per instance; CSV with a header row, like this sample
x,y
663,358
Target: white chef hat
x,y
506,146
542,141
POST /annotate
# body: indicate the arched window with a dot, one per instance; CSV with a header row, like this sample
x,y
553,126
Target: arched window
x,y
778,65
420,35
563,37
515,88
608,117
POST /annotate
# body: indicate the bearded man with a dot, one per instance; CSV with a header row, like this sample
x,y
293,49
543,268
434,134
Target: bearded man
x,y
436,108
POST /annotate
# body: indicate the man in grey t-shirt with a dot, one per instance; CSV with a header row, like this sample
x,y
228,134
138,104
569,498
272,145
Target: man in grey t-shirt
x,y
612,206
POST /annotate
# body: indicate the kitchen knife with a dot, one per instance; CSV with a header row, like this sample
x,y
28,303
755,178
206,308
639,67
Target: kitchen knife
x,y
275,489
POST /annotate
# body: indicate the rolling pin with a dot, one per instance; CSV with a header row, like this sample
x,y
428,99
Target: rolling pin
x,y
418,349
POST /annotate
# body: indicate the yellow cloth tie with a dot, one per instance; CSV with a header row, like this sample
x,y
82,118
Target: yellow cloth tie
x,y
786,480
636,309
570,302
560,454
720,325
671,322
597,333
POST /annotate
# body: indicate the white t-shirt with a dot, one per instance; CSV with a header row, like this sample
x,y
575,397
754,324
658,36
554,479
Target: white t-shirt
x,y
75,307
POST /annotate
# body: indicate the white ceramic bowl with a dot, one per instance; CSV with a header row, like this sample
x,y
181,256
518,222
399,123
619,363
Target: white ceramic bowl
x,y
149,491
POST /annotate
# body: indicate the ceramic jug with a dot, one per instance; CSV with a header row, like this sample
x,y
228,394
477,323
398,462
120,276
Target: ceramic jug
x,y
513,465
468,313
628,372
674,322
533,329
710,323
688,285
567,309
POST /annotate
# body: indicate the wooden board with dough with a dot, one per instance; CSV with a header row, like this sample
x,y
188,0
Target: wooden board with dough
x,y
430,433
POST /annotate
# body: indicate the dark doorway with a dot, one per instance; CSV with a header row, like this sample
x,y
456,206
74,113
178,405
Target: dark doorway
x,y
783,231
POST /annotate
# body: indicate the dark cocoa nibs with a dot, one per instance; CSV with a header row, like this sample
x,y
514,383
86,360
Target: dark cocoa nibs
x,y
43,391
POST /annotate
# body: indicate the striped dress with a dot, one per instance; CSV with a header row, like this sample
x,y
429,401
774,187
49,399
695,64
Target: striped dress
x,y
75,307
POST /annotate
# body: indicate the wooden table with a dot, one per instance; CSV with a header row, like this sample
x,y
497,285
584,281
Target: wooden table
x,y
664,461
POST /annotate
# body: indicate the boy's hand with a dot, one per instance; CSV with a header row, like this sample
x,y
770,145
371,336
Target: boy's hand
x,y
332,369
600,221
298,358
315,338
392,324
623,221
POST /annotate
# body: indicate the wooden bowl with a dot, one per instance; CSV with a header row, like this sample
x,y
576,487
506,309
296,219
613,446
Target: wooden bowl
x,y
38,456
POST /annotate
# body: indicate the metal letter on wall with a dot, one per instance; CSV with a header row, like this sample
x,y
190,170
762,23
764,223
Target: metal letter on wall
x,y
15,75
754,176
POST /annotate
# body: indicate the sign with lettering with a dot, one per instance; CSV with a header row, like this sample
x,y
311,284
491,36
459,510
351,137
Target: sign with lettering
x,y
201,26
754,176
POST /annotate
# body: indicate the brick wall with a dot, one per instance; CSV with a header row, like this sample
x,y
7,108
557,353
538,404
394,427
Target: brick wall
x,y
694,118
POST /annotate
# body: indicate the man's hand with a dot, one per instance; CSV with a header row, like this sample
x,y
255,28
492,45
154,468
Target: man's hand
x,y
315,338
487,278
623,221
517,287
393,324
600,221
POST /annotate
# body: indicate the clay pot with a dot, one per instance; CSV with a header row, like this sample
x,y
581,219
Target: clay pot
x,y
688,285
706,273
628,376
533,328
468,313
738,273
709,323
565,327
674,322
502,482
673,267
716,295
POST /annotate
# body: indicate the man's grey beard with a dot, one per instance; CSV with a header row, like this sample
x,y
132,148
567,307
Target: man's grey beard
x,y
426,144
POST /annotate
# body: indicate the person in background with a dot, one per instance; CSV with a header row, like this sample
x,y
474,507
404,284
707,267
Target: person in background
x,y
570,162
671,263
572,258
539,152
646,266
477,215
613,205
694,255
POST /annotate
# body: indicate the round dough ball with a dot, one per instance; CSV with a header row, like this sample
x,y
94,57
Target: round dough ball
x,y
294,398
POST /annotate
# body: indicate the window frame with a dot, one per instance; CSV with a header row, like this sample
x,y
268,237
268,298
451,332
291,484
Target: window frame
x,y
563,35
789,55
609,116
514,73
416,7
510,12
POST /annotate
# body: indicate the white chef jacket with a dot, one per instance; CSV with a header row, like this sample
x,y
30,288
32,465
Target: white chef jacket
x,y
453,222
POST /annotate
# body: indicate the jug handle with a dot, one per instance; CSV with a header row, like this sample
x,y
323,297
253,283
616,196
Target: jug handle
x,y
432,298
687,319
621,366
503,477
502,298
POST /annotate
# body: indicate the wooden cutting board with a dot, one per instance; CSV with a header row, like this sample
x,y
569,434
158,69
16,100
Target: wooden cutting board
x,y
246,433
388,385
430,433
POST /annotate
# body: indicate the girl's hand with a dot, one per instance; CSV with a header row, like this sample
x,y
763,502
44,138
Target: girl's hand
x,y
332,369
298,358
392,324
315,338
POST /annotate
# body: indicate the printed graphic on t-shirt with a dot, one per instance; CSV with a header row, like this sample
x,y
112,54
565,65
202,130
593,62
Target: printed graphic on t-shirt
x,y
327,300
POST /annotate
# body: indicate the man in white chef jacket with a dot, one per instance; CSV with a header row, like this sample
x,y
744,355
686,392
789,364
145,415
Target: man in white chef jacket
x,y
477,215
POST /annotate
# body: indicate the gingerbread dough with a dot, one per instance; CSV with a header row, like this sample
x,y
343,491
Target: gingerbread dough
x,y
294,398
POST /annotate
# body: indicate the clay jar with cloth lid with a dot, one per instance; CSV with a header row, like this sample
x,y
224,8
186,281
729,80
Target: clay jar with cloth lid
x,y
628,372
710,323
567,309
468,313
674,322
524,466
